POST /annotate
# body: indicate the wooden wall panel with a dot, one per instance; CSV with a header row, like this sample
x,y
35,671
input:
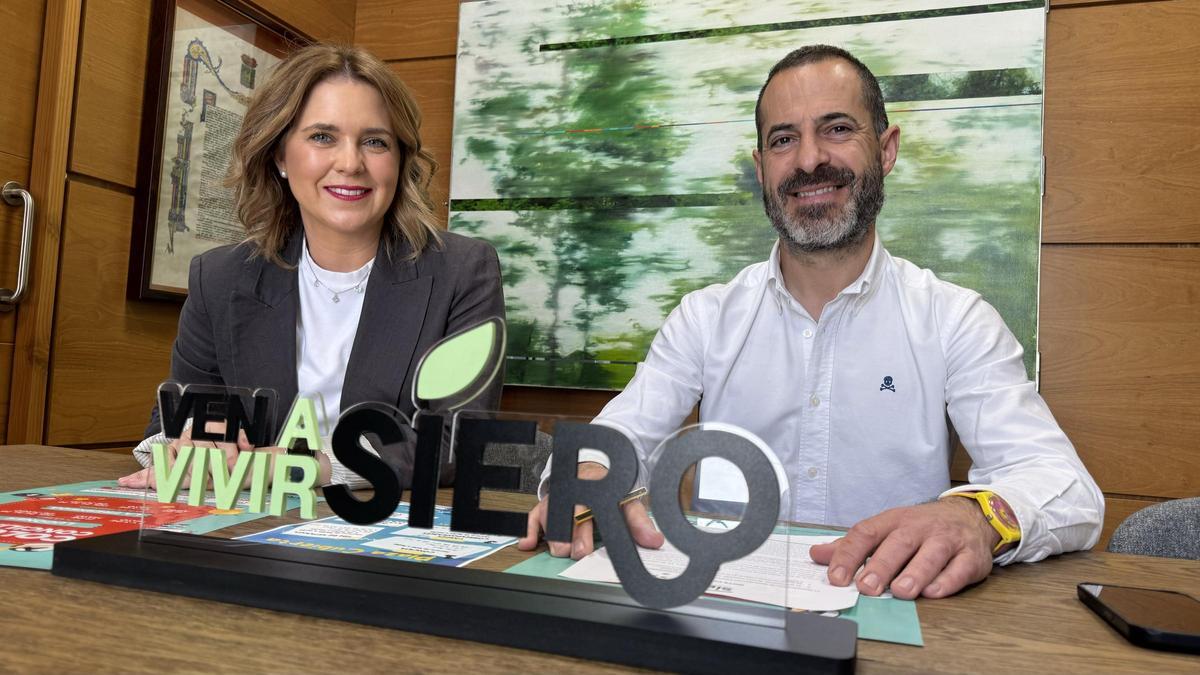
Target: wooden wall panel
x,y
109,355
1120,338
1122,155
331,20
20,84
580,402
108,101
432,84
406,30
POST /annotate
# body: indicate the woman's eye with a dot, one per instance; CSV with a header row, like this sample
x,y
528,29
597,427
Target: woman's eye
x,y
321,137
377,143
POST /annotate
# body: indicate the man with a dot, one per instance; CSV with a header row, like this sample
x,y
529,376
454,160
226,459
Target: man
x,y
847,362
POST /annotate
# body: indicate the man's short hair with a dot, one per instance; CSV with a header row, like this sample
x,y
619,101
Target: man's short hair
x,y
871,93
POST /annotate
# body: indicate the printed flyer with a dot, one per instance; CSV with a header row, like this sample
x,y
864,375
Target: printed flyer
x,y
391,538
32,521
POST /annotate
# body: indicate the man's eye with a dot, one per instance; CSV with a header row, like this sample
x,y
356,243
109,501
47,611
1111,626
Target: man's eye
x,y
841,129
781,141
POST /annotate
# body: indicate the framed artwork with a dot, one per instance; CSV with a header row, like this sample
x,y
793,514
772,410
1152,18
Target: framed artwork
x,y
205,59
604,148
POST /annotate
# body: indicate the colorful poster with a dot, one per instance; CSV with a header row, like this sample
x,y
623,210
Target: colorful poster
x,y
392,539
32,521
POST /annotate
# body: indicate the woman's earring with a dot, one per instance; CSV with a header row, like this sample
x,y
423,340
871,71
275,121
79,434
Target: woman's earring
x,y
282,173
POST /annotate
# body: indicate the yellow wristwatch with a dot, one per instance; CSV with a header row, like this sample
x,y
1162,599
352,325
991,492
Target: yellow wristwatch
x,y
999,515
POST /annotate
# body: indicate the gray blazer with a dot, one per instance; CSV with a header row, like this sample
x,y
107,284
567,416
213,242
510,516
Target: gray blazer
x,y
238,325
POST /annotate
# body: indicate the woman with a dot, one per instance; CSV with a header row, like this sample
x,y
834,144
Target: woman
x,y
343,280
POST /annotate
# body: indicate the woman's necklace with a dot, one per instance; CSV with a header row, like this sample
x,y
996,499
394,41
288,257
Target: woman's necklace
x,y
357,288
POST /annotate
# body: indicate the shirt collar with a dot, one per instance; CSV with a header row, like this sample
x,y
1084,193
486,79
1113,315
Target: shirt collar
x,y
863,286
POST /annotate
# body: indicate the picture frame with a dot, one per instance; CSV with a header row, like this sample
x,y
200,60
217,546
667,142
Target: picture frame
x,y
205,57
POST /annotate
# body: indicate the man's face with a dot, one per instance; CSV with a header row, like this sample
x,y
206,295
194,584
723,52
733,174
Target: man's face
x,y
821,165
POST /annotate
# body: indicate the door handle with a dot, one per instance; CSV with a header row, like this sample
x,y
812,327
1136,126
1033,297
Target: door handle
x,y
14,195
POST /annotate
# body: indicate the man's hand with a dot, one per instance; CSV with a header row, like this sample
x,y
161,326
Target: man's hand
x,y
640,525
931,549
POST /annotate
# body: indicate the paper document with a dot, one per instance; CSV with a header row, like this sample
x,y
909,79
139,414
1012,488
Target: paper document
x,y
758,577
391,538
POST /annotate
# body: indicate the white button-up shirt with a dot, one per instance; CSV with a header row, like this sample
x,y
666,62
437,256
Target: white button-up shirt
x,y
855,405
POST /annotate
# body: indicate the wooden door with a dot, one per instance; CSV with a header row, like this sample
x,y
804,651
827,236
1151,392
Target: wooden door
x,y
21,41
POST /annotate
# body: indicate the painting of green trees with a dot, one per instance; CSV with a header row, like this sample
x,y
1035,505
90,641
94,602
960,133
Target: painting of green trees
x,y
603,147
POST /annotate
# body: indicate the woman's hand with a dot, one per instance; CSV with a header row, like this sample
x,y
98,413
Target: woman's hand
x,y
145,477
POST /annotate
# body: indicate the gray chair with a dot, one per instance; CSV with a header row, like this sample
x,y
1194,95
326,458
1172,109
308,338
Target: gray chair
x,y
1167,530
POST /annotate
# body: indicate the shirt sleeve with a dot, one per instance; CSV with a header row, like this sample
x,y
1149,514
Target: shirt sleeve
x,y
1017,448
664,389
339,474
143,452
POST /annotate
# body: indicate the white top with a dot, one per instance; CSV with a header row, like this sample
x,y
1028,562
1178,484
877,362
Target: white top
x,y
852,442
330,306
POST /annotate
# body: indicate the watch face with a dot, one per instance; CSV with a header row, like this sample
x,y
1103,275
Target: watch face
x,y
1003,512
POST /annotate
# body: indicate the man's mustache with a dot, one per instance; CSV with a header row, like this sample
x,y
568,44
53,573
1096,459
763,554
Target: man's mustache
x,y
825,174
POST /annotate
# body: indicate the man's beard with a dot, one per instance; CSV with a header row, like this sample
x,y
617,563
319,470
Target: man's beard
x,y
821,227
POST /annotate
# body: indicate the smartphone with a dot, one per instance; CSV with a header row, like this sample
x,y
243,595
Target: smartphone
x,y
1147,618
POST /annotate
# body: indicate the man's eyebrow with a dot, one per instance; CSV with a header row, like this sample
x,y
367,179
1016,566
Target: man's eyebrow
x,y
783,126
830,117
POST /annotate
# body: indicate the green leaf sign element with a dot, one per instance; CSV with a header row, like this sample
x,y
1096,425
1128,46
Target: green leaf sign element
x,y
460,366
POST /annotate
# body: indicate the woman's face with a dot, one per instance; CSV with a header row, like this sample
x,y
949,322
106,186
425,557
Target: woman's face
x,y
342,161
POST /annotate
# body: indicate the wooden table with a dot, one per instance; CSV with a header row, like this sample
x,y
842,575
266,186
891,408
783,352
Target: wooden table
x,y
1024,618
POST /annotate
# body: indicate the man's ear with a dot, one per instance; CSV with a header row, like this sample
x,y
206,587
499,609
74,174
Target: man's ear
x,y
758,166
889,148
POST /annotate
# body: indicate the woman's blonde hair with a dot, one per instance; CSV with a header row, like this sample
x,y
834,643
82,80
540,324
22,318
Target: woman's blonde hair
x,y
264,202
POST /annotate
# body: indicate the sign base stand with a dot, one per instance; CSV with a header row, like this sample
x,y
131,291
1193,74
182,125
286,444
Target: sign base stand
x,y
561,617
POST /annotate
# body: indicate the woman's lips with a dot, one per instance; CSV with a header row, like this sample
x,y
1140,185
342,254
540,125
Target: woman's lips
x,y
348,193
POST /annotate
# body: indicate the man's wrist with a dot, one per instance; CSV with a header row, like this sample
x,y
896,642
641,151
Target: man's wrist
x,y
989,535
1003,531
